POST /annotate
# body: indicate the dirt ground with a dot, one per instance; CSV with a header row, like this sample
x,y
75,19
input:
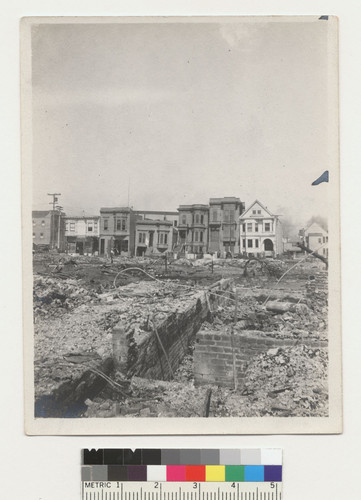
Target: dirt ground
x,y
78,301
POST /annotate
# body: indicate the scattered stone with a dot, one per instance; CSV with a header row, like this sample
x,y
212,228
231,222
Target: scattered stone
x,y
76,308
273,352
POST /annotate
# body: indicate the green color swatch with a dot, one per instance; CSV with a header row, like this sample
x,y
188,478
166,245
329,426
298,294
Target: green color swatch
x,y
234,472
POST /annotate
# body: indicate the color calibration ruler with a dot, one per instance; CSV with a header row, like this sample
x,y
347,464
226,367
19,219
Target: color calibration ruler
x,y
182,474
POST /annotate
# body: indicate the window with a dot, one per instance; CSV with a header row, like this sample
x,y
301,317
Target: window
x,y
197,218
256,228
228,232
175,223
214,216
250,243
320,240
106,225
323,240
259,212
118,224
201,236
244,243
202,219
72,226
256,243
33,235
226,215
124,225
244,228
41,235
249,226
90,227
43,222
141,238
267,226
184,219
326,239
67,226
215,235
162,238
254,211
196,236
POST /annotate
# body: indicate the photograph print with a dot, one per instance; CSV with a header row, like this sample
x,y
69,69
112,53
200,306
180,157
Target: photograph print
x,y
180,197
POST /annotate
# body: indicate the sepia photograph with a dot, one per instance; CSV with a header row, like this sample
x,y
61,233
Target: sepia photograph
x,y
181,236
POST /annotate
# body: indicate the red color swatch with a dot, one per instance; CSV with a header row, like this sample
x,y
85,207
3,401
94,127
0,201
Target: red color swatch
x,y
195,472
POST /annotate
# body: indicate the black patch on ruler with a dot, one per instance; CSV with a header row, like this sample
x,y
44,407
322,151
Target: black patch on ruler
x,y
92,457
151,457
113,456
132,457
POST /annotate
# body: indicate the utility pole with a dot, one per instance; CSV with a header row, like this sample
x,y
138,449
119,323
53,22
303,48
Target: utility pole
x,y
52,227
59,209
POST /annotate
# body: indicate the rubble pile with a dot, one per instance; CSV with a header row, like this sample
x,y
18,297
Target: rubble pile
x,y
57,339
317,287
283,382
278,319
182,262
95,272
77,325
77,305
52,297
268,267
289,381
151,398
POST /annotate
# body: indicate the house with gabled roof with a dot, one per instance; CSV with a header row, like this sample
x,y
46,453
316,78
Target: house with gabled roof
x,y
260,231
315,238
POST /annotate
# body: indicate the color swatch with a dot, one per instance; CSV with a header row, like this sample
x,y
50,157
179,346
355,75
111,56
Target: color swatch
x,y
183,465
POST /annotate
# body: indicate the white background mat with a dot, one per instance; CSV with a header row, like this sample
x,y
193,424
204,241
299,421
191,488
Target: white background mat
x,y
315,467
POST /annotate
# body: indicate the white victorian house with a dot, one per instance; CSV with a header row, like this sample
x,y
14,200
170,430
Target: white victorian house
x,y
315,238
260,231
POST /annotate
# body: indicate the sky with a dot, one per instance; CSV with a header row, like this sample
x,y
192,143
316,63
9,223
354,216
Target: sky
x,y
163,114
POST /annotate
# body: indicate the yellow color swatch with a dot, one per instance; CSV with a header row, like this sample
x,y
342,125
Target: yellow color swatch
x,y
215,472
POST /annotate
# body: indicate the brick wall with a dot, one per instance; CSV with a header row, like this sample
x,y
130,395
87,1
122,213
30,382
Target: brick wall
x,y
213,354
146,358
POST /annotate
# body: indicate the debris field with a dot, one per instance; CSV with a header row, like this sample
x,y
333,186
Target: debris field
x,y
79,301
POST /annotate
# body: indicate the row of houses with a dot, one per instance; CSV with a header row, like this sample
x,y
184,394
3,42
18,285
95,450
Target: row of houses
x,y
222,227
